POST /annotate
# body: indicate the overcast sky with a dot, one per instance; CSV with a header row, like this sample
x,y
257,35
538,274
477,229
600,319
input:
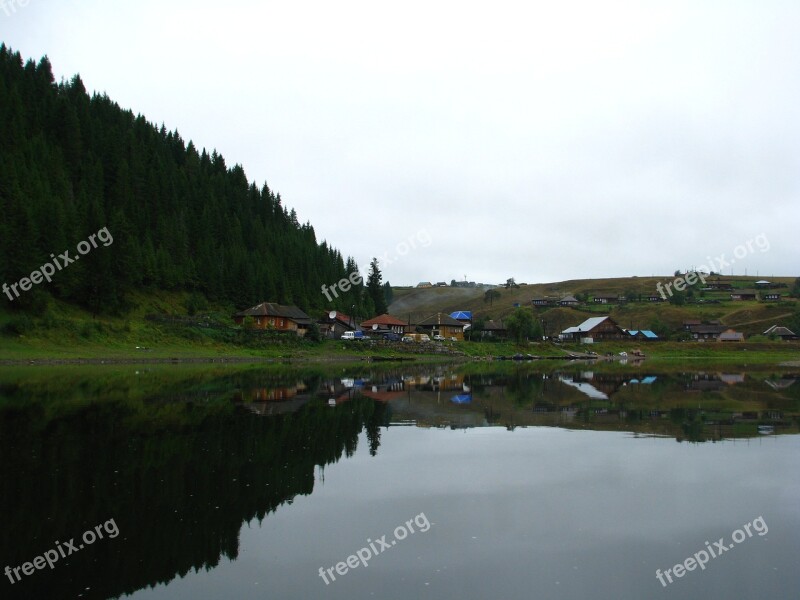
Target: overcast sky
x,y
537,140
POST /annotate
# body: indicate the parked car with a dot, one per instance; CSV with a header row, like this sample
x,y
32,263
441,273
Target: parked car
x,y
407,338
424,337
391,337
438,337
354,335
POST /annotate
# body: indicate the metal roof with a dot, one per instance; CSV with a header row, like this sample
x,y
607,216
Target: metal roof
x,y
462,314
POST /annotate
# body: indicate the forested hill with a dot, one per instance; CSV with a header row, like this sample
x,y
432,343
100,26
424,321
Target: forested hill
x,y
180,218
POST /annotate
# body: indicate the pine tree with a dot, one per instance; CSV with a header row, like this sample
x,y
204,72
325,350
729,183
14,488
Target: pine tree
x,y
375,288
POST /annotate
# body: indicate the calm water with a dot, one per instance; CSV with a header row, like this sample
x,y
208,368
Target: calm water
x,y
503,481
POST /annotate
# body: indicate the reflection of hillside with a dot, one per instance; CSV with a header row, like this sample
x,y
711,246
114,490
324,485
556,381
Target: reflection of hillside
x,y
643,404
179,494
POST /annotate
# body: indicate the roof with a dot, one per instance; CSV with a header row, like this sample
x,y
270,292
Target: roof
x,y
462,314
441,319
707,329
569,299
271,309
587,325
383,319
340,316
763,282
494,325
779,331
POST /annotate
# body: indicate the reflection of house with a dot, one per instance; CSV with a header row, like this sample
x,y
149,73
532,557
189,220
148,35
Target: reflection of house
x,y
595,329
386,323
729,335
706,383
780,384
269,315
278,394
783,333
444,325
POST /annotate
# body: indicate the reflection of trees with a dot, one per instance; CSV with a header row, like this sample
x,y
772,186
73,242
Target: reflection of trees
x,y
524,387
179,492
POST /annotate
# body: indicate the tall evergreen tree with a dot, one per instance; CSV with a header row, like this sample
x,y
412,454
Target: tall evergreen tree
x,y
375,288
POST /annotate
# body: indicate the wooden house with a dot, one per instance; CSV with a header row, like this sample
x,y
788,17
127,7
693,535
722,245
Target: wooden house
x,y
595,329
444,325
273,316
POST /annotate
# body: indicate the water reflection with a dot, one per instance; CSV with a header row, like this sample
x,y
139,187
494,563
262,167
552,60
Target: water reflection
x,y
181,460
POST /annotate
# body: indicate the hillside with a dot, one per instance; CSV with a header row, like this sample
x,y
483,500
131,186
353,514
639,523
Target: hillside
x,y
171,217
748,317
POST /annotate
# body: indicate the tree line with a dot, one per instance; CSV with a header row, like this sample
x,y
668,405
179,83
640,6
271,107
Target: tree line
x,y
181,219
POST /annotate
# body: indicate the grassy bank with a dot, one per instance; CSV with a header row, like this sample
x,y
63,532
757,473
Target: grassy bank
x,y
160,329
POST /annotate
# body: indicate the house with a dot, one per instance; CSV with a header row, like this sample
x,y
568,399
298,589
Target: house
x,y
655,298
441,284
643,334
719,284
594,329
608,299
687,325
763,283
495,329
424,284
543,301
743,295
706,331
770,296
729,335
569,301
385,324
334,326
463,316
269,315
783,333
444,325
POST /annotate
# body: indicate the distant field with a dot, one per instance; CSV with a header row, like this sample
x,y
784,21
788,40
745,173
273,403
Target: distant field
x,y
748,317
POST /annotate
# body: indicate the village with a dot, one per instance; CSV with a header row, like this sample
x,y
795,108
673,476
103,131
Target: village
x,y
587,320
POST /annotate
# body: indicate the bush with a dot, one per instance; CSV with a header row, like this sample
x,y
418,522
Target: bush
x,y
18,325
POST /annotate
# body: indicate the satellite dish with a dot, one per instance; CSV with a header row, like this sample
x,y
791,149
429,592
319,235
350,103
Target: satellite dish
x,y
332,314
374,327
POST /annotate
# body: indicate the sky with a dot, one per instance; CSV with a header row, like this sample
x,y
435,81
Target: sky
x,y
543,141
